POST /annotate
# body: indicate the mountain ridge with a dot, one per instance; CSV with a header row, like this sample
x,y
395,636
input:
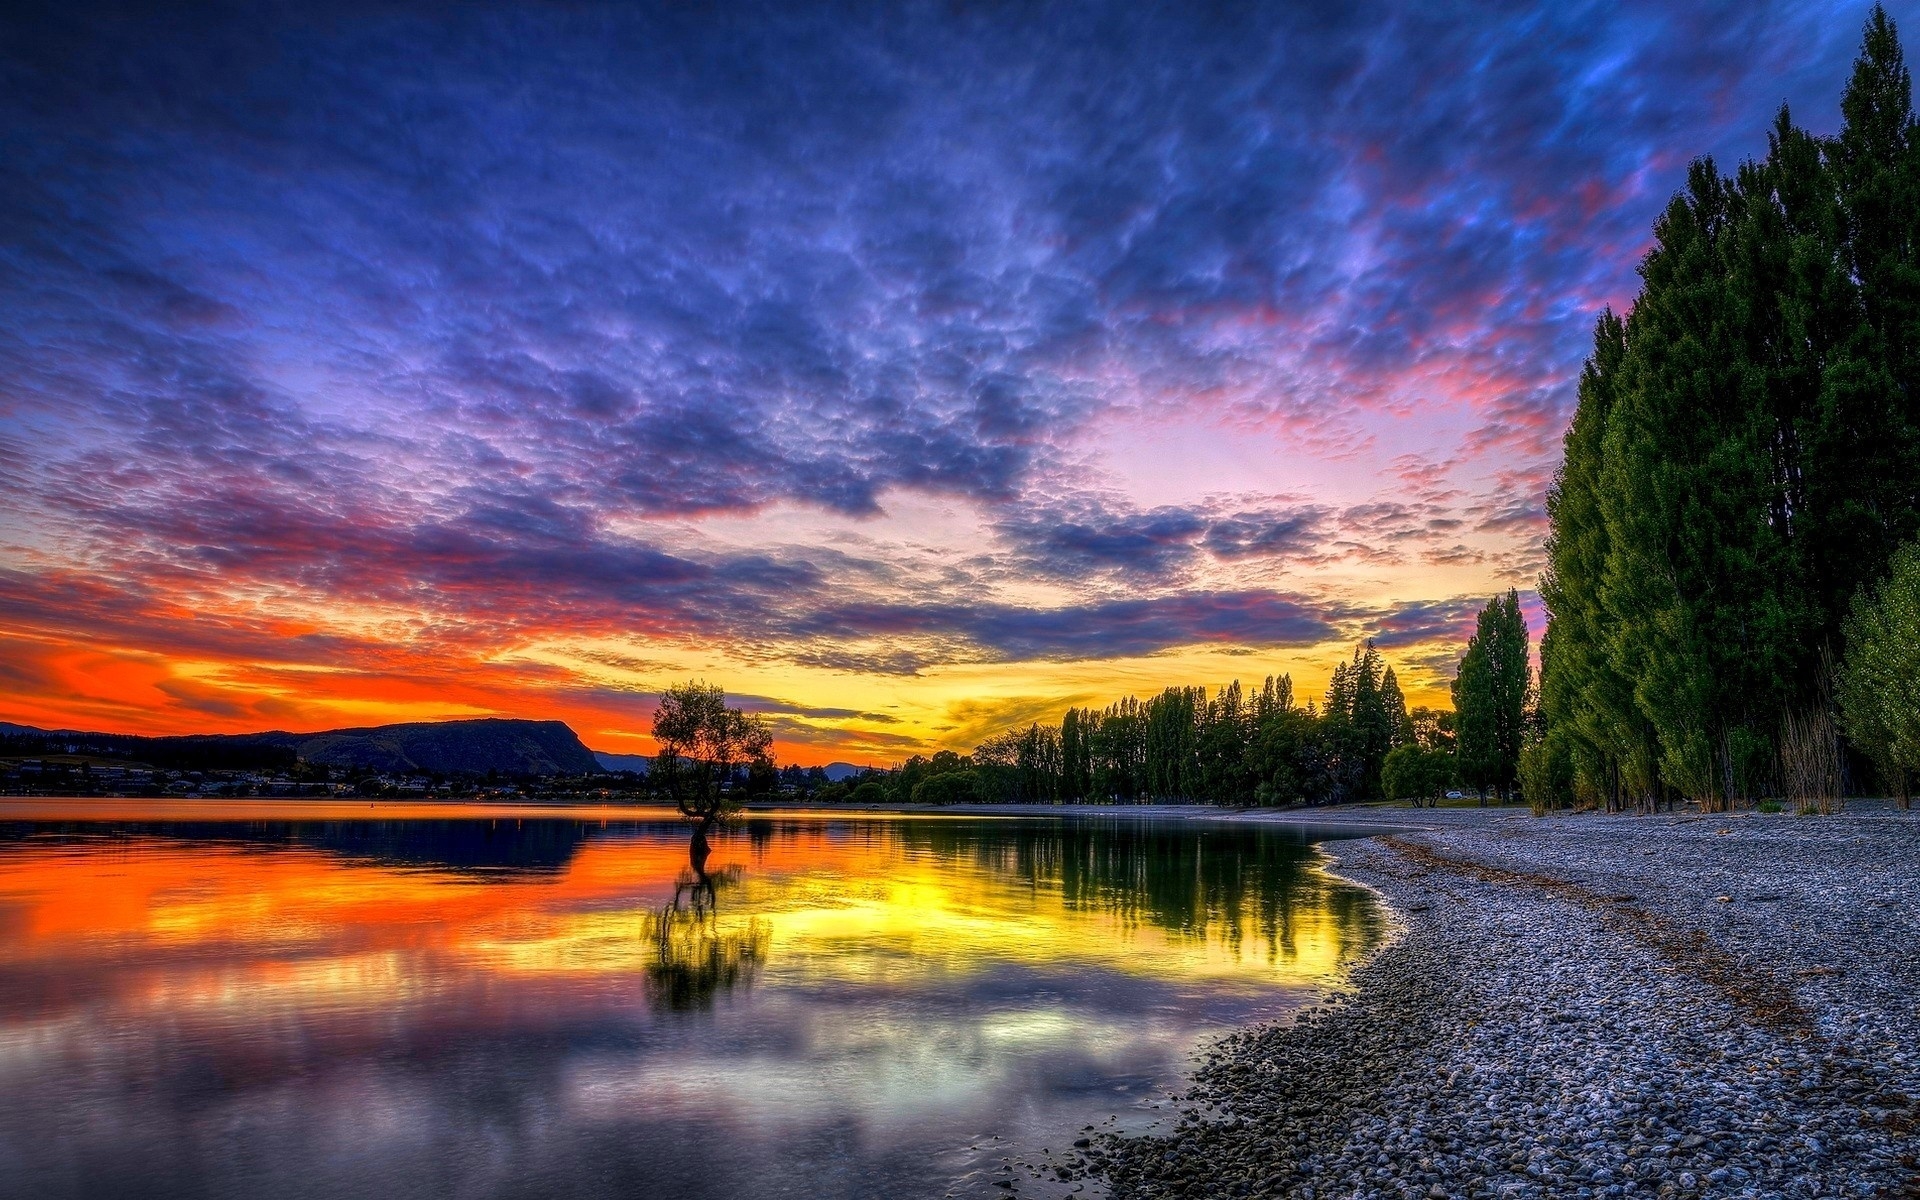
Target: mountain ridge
x,y
473,746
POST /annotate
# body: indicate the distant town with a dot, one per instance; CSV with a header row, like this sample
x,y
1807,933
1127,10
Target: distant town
x,y
76,774
490,760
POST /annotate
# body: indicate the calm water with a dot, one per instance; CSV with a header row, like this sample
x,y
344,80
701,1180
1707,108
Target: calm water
x,y
296,1000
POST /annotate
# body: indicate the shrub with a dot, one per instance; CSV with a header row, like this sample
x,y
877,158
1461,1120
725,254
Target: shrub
x,y
955,787
1879,680
1412,773
1810,761
1546,774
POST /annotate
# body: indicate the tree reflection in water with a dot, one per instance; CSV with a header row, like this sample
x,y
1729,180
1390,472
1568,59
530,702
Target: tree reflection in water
x,y
1202,878
696,959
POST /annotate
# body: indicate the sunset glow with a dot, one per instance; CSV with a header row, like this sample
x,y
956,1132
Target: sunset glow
x,y
910,375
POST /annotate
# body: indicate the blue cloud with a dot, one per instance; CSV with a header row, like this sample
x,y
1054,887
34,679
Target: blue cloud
x,y
1097,630
409,302
1091,536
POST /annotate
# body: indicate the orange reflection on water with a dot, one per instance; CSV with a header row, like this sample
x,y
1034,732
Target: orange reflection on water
x,y
372,996
231,925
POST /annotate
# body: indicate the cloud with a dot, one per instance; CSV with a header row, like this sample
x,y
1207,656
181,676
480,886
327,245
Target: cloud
x,y
770,277
1083,538
845,739
339,339
967,723
1451,621
1098,630
1270,534
1412,624
1101,536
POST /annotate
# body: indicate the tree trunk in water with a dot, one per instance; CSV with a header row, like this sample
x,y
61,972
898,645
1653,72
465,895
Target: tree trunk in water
x,y
698,851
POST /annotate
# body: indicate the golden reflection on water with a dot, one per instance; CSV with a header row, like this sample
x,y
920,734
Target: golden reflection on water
x,y
877,986
240,927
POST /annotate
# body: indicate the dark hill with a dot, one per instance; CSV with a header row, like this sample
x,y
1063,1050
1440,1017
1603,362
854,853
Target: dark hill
x,y
509,747
639,764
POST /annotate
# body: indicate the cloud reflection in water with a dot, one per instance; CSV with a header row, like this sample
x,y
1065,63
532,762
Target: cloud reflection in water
x,y
309,1006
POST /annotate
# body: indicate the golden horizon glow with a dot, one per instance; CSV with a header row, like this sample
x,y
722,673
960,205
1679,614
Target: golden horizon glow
x,y
947,707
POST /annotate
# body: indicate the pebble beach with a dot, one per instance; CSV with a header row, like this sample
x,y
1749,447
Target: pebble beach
x,y
1582,1006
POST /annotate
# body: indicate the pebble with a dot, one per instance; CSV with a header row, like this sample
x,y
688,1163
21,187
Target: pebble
x,y
1583,1006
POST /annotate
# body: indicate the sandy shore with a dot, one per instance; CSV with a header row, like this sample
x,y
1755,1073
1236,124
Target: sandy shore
x,y
1584,1006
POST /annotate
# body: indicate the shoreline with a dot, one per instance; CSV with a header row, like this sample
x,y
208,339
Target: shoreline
x,y
1582,1006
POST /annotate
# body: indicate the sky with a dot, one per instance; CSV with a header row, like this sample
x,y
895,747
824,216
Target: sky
x,y
912,371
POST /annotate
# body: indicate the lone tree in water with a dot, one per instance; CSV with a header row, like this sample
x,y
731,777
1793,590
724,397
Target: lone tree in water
x,y
702,743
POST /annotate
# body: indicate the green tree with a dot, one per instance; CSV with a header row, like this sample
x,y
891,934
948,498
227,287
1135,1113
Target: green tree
x,y
1117,751
1745,455
1432,729
903,781
951,787
1037,763
1879,684
1076,755
1399,722
1873,389
1172,763
1371,727
1277,738
996,763
1413,772
1490,695
1546,773
1582,689
1221,747
702,744
1710,636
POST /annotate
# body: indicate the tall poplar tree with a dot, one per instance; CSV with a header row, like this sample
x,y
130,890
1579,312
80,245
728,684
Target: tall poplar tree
x,y
1076,765
1744,457
1864,473
1490,695
1583,694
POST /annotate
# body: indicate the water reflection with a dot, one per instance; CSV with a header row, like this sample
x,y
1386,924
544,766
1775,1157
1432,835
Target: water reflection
x,y
305,1001
695,958
495,846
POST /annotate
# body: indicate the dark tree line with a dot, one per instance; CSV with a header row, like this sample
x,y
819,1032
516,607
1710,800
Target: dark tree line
x,y
1241,747
1233,746
1744,460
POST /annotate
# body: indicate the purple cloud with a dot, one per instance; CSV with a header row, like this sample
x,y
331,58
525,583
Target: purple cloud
x,y
456,311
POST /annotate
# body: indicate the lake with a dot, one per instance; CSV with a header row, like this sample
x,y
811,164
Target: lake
x,y
320,999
